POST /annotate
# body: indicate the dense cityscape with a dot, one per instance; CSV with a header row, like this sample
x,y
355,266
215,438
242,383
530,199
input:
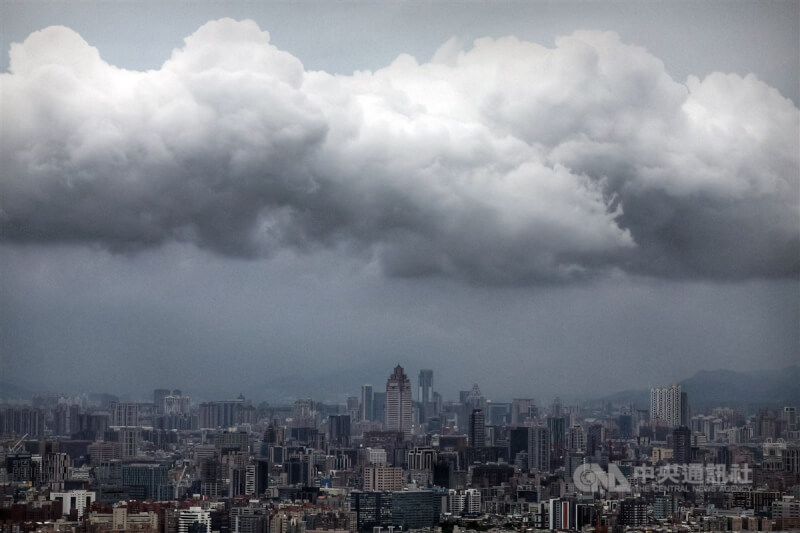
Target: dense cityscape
x,y
369,266
396,457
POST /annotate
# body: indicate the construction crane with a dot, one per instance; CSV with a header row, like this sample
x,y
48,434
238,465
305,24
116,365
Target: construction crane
x,y
179,480
15,448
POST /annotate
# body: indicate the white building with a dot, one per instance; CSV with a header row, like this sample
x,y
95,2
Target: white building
x,y
74,499
376,456
665,404
187,517
399,413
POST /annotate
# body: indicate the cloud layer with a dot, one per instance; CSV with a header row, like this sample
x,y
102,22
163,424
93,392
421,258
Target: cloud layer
x,y
506,162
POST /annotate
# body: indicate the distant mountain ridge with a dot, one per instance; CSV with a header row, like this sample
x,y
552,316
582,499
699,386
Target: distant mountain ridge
x,y
729,388
706,388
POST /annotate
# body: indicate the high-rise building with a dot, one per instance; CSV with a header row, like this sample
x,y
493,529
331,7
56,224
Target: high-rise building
x,y
632,512
539,449
158,400
426,396
425,393
682,445
398,402
125,414
789,417
686,415
518,444
129,438
379,407
522,409
474,398
366,402
665,405
339,430
175,404
558,432
477,429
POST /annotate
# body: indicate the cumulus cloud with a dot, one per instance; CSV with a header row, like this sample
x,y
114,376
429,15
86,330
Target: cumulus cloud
x,y
504,162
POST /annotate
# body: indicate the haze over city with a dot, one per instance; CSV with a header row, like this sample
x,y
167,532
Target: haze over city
x,y
290,199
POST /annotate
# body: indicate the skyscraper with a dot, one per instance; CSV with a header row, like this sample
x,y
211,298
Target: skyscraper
x,y
539,449
125,414
398,402
379,407
477,429
366,402
665,405
425,393
681,445
158,400
558,432
339,430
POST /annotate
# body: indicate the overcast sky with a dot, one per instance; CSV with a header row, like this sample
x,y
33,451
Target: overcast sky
x,y
288,199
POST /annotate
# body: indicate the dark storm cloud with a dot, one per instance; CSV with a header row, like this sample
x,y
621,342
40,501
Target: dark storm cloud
x,y
508,162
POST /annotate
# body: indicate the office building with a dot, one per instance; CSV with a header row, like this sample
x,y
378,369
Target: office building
x,y
558,433
379,407
425,390
477,429
366,409
372,509
339,431
682,445
147,481
415,509
398,402
539,449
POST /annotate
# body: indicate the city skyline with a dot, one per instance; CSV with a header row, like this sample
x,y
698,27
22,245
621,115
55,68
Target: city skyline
x,y
541,199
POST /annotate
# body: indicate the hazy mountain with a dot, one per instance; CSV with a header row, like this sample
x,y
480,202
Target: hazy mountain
x,y
712,388
15,392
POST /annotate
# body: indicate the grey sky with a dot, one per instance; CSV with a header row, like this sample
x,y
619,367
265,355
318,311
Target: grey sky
x,y
224,232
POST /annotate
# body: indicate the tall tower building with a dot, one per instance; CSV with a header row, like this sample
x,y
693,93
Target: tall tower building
x,y
522,410
339,430
129,438
158,400
125,414
685,414
539,449
365,409
477,429
682,445
398,402
425,392
665,405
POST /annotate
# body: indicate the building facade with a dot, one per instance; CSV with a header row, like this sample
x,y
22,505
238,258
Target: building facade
x,y
665,405
398,402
